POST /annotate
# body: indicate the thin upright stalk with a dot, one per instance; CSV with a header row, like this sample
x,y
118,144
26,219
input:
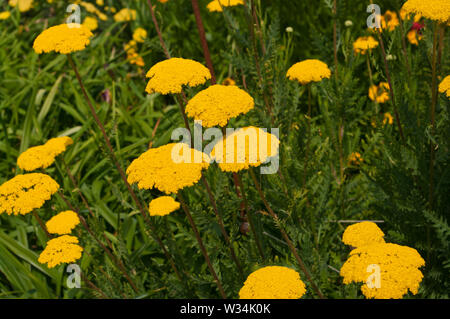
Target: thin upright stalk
x,y
119,168
222,227
405,53
308,137
285,236
158,31
116,261
204,43
434,94
200,243
391,89
41,223
250,218
335,39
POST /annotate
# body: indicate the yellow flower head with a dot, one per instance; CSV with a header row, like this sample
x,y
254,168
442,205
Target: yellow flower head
x,y
387,118
414,36
438,10
273,282
63,223
44,155
61,250
139,35
63,38
24,5
307,71
379,93
168,168
248,146
444,86
389,20
355,158
5,15
361,234
219,103
24,193
387,271
125,15
228,81
216,6
162,206
362,44
170,75
90,23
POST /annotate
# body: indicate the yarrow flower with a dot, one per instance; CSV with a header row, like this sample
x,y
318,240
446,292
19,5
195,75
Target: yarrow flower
x,y
219,103
444,86
93,9
355,158
63,38
228,81
24,193
63,223
379,93
361,234
125,15
61,250
139,35
438,10
44,155
216,5
273,282
168,168
24,5
170,75
387,118
90,23
395,266
5,15
162,206
307,71
362,44
248,146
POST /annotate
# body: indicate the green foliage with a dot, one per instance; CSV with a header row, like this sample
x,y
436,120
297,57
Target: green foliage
x,y
40,99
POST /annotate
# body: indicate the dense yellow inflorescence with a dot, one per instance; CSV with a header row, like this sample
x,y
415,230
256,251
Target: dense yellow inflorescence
x,y
362,44
24,193
125,15
43,156
170,75
5,15
363,233
245,147
355,158
90,23
63,38
219,103
379,93
162,206
63,223
307,71
139,35
438,10
168,168
444,86
216,6
273,282
61,250
397,265
24,5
